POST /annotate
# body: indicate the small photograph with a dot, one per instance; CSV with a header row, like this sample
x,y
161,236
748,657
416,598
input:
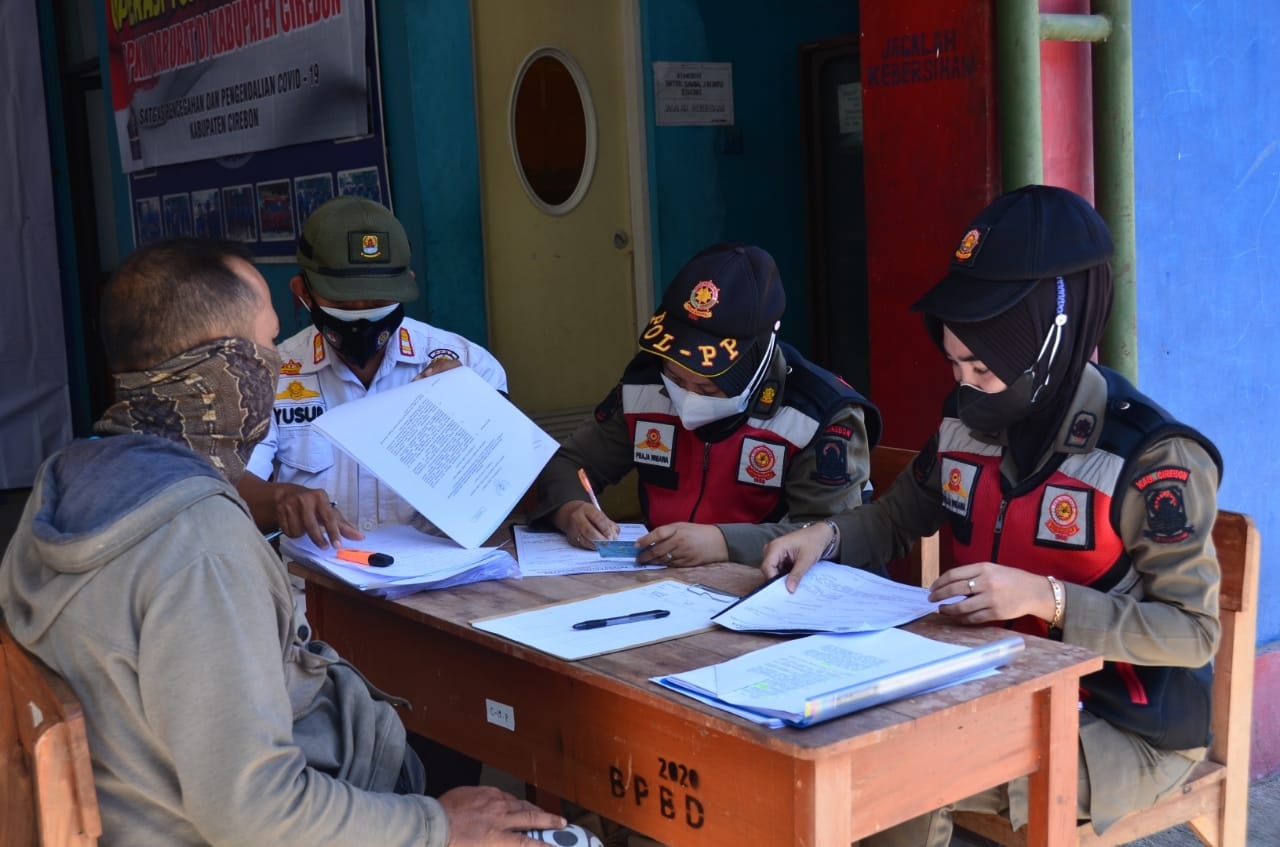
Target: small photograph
x,y
177,216
275,211
311,192
148,212
362,182
207,206
241,216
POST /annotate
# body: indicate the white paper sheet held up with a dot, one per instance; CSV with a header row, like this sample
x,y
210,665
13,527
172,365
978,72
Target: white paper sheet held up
x,y
551,554
450,444
422,561
550,628
831,598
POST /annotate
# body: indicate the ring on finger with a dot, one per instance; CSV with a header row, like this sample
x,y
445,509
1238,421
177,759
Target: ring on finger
x,y
668,557
973,584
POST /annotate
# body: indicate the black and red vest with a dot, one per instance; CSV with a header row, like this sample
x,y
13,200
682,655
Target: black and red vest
x,y
1063,522
733,472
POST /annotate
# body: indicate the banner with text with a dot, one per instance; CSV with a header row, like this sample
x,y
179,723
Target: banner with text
x,y
198,79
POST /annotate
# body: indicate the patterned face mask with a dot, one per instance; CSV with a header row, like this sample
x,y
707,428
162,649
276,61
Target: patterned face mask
x,y
215,398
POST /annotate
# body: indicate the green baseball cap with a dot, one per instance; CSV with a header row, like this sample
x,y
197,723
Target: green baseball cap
x,y
352,248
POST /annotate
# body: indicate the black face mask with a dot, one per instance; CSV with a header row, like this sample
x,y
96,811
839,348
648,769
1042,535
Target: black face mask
x,y
357,341
993,412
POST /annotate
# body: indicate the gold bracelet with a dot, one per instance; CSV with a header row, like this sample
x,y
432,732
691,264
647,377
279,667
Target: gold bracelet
x,y
1059,602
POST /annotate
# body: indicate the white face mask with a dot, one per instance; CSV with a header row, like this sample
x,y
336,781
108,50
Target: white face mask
x,y
353,315
697,410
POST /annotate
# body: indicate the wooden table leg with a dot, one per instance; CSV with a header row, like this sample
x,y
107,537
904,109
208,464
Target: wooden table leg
x,y
1052,812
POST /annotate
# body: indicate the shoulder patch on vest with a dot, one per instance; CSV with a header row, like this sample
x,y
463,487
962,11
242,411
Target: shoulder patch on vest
x,y
1081,428
1167,515
831,452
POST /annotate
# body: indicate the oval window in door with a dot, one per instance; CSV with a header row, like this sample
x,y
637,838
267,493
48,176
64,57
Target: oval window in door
x,y
553,130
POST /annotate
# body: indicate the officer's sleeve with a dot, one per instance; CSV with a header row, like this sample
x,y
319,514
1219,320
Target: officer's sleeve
x,y
908,510
601,445
824,479
1166,521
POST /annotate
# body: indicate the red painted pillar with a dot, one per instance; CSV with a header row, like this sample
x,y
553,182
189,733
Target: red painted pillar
x,y
931,145
1066,96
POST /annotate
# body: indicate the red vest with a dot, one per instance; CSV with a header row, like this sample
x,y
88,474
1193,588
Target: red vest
x,y
736,480
1061,527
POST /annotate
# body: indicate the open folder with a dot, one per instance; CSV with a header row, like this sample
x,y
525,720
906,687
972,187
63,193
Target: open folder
x,y
819,677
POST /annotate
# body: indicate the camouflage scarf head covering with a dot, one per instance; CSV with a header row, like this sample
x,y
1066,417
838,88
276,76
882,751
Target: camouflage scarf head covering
x,y
215,398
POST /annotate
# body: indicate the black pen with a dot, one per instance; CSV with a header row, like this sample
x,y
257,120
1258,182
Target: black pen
x,y
651,615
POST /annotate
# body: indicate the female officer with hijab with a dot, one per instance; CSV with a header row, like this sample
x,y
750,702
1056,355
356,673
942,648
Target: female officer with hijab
x,y
1078,508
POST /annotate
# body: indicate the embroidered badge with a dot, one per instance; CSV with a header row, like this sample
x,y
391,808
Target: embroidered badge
x,y
296,392
317,350
1064,517
369,247
1169,473
704,297
299,401
406,343
958,478
653,446
970,245
760,463
291,368
1167,515
767,396
832,451
365,247
1081,428
444,351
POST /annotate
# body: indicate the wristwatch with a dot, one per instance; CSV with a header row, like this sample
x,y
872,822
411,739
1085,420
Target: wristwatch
x,y
834,544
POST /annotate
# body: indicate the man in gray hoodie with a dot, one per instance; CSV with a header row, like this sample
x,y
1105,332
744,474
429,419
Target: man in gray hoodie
x,y
139,576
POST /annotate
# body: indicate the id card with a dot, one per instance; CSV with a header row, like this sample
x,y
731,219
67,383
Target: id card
x,y
617,549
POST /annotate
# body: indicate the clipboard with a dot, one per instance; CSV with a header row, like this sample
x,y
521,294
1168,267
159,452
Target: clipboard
x,y
549,628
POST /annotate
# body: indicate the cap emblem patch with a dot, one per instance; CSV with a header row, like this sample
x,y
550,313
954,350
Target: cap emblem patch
x,y
972,242
369,247
704,297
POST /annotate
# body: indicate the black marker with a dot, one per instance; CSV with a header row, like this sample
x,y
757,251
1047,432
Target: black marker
x,y
651,615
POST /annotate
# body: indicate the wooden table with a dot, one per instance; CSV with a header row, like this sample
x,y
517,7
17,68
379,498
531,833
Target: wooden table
x,y
597,732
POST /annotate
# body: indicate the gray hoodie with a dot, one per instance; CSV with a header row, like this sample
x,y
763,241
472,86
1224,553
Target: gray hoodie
x,y
138,575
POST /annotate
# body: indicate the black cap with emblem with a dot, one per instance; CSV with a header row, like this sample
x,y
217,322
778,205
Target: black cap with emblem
x,y
718,314
1032,233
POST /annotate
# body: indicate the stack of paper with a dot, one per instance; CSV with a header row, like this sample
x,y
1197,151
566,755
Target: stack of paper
x,y
813,679
549,553
830,598
421,561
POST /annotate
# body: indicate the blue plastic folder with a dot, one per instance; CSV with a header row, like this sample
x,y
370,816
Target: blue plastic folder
x,y
813,679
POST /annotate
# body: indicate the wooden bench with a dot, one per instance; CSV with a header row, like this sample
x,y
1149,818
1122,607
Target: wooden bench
x,y
47,795
921,566
1214,800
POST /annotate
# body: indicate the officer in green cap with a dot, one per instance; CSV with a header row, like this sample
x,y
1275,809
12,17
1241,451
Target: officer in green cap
x,y
1079,509
354,279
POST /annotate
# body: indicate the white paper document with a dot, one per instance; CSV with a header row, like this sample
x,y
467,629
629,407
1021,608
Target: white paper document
x,y
551,628
551,554
450,444
422,561
831,598
812,679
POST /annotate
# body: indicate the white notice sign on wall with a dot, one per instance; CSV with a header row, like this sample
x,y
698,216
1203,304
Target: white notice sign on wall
x,y
693,93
